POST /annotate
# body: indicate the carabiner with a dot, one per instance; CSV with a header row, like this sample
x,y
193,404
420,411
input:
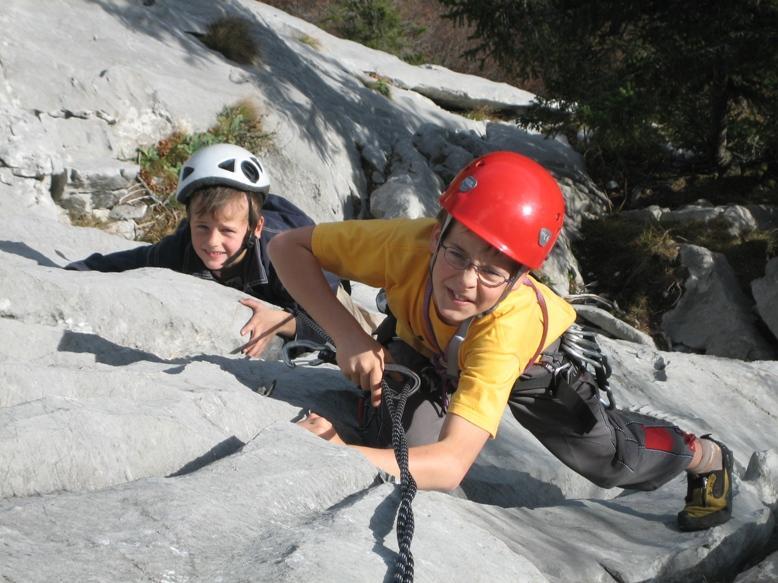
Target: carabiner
x,y
310,345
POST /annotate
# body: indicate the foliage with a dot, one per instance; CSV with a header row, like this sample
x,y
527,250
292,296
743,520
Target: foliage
x,y
432,38
717,190
635,83
239,124
374,23
231,36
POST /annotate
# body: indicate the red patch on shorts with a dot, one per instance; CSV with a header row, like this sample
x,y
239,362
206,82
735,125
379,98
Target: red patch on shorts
x,y
660,438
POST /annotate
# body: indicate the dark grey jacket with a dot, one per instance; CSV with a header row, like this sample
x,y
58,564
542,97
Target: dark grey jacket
x,y
255,276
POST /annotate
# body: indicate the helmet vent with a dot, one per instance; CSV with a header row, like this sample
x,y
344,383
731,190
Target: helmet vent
x,y
253,159
468,184
185,172
250,170
228,165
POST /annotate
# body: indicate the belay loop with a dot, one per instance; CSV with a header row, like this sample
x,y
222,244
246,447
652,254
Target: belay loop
x,y
395,402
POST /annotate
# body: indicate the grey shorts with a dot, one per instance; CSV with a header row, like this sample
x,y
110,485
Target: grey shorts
x,y
622,448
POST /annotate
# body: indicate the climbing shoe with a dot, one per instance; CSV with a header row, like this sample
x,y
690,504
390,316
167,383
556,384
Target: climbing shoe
x,y
709,496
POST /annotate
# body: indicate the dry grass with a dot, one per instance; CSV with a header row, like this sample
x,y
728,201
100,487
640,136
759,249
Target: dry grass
x,y
86,220
231,36
310,41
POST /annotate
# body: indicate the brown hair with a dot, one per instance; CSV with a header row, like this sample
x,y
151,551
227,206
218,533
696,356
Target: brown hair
x,y
208,200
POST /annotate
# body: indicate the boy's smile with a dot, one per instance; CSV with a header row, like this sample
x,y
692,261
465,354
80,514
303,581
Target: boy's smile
x,y
457,293
218,238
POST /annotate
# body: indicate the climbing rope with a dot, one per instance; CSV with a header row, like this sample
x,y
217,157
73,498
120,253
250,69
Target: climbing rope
x,y
395,401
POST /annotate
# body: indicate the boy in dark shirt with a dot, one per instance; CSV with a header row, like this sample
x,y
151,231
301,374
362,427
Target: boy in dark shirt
x,y
231,218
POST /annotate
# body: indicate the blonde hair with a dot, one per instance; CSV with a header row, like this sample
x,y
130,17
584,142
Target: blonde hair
x,y
208,200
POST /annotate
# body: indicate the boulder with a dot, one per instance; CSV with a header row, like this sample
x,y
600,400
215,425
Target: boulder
x,y
711,288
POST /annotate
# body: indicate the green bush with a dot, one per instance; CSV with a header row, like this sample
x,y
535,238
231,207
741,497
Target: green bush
x,y
374,23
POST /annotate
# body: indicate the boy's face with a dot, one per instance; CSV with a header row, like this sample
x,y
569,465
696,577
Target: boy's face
x,y
458,294
218,237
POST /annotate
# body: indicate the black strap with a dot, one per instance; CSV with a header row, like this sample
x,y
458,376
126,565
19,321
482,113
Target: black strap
x,y
565,391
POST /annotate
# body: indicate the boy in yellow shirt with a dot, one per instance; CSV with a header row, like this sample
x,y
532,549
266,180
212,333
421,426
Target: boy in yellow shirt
x,y
501,216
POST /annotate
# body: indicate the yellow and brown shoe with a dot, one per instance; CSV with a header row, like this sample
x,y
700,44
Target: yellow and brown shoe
x,y
709,496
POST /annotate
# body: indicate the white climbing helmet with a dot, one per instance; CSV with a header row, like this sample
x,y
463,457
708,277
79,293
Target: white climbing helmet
x,y
222,164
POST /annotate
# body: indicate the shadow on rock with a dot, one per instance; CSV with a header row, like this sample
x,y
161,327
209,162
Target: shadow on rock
x,y
24,250
112,354
499,486
382,524
221,450
107,352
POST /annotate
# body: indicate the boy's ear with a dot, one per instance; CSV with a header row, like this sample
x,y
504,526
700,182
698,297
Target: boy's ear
x,y
258,228
435,237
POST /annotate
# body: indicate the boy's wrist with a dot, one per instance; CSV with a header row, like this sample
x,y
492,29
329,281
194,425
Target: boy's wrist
x,y
287,325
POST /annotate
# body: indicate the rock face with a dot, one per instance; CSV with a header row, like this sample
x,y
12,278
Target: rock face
x,y
712,290
765,292
136,445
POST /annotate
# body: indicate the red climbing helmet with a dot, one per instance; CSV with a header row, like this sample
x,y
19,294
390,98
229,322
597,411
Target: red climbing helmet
x,y
511,202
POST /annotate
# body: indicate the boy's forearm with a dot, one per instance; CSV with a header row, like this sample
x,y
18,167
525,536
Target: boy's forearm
x,y
441,465
301,274
430,469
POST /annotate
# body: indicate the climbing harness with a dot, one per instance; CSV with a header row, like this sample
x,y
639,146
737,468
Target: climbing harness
x,y
395,400
561,368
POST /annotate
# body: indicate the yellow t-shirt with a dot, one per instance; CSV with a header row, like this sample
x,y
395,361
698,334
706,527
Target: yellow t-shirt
x,y
395,255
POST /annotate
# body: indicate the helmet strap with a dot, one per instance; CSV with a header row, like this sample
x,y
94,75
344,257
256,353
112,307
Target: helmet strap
x,y
446,224
519,275
251,238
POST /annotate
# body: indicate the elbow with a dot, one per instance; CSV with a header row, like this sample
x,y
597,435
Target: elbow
x,y
451,484
453,474
276,246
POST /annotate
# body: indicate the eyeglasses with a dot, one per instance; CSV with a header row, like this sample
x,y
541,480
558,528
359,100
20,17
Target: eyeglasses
x,y
488,275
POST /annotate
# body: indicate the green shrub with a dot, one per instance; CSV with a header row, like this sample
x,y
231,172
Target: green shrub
x,y
231,36
374,23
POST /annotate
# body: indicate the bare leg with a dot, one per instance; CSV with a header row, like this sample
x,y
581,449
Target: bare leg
x,y
706,457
